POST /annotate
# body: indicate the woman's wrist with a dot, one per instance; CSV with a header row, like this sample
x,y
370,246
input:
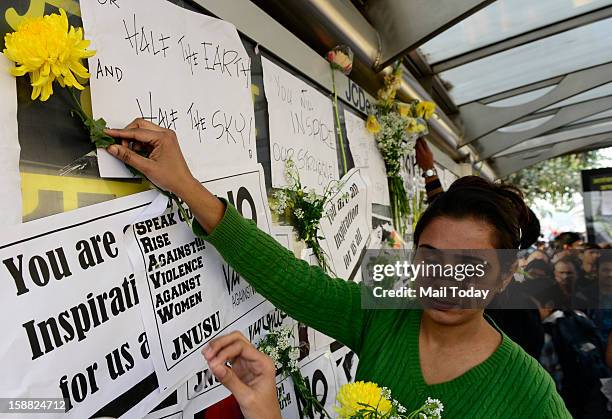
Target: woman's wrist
x,y
188,188
206,207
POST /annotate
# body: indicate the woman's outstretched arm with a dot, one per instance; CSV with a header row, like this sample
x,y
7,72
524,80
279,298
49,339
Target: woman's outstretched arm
x,y
306,293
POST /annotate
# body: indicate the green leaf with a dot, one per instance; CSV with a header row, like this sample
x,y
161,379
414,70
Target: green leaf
x,y
96,132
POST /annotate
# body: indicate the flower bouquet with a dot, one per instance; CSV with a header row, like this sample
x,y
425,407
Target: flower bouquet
x,y
366,400
304,210
50,50
396,127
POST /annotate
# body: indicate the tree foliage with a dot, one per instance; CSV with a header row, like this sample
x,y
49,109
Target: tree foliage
x,y
555,180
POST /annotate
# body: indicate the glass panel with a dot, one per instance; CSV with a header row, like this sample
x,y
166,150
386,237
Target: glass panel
x,y
501,20
605,114
556,55
522,98
601,91
559,137
527,125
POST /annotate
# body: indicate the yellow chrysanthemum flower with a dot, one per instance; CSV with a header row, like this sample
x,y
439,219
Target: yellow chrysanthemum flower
x,y
351,395
414,126
404,109
372,125
48,49
425,109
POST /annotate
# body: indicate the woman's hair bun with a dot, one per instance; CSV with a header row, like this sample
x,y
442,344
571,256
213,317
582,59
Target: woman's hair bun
x,y
500,204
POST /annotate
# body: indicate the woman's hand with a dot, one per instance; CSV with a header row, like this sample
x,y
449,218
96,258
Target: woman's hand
x,y
165,165
251,377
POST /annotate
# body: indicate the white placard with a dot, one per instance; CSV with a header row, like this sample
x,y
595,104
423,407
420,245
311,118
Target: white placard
x,y
319,373
179,69
301,129
189,294
346,362
346,224
366,157
69,308
269,322
284,235
10,181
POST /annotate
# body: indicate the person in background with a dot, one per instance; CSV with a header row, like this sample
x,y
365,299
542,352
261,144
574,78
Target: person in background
x,y
407,351
248,373
425,160
538,254
603,316
568,273
568,240
589,256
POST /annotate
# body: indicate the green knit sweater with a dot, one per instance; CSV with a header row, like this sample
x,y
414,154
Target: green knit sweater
x,y
509,384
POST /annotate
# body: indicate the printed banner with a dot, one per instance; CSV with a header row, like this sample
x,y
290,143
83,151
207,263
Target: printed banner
x,y
69,310
346,224
189,294
301,129
179,69
367,157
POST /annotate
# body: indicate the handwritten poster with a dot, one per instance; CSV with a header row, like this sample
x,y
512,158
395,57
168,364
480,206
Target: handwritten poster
x,y
10,181
301,129
69,309
346,224
189,294
179,69
367,157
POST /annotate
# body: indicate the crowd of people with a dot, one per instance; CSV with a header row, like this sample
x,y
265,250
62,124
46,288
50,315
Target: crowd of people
x,y
567,283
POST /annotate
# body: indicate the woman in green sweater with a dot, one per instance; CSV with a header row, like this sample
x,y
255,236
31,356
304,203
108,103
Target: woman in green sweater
x,y
456,356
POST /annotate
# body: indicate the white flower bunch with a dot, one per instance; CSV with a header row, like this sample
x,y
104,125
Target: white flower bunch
x,y
433,409
278,345
281,201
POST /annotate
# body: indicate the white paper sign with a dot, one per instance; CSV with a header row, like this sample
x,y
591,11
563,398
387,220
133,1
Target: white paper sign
x,y
345,361
319,373
69,308
10,181
179,69
366,157
301,129
346,224
189,294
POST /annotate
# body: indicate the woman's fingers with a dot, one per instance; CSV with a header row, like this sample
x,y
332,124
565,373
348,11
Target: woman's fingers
x,y
139,134
228,344
130,157
143,123
232,382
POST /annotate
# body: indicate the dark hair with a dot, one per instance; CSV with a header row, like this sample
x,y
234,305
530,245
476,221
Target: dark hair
x,y
501,206
566,238
539,264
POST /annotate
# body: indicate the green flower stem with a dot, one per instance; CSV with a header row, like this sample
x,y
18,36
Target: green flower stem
x,y
99,139
400,205
309,398
339,127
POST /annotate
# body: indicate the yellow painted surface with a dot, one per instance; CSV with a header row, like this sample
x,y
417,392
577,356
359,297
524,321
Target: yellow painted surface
x,y
70,187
